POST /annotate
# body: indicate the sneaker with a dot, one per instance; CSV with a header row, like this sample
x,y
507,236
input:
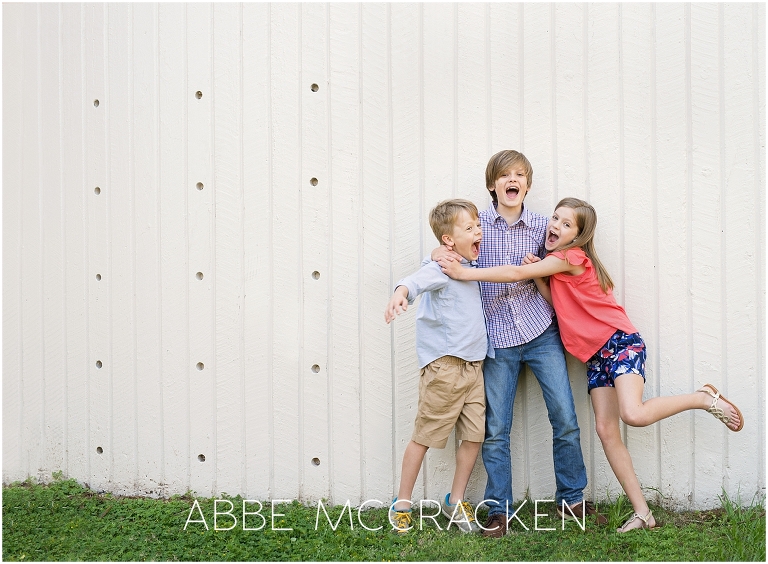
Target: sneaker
x,y
400,520
496,526
580,509
461,514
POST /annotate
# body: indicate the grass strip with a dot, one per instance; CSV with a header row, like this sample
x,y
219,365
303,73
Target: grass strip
x,y
65,521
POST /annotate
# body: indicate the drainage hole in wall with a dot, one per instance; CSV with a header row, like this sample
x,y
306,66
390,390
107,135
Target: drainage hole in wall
x,y
199,186
98,364
95,103
200,365
99,450
315,368
316,275
97,190
199,275
315,88
198,94
316,461
201,457
313,181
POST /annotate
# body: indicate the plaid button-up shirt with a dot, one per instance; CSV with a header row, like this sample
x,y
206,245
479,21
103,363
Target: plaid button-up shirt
x,y
515,312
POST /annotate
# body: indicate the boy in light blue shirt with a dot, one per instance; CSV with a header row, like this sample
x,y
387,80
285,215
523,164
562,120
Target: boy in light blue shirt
x,y
451,344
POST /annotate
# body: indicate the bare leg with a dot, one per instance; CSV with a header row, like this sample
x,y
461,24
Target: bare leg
x,y
637,413
465,462
606,406
412,459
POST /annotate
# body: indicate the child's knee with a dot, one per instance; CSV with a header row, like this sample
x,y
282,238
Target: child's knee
x,y
608,430
633,417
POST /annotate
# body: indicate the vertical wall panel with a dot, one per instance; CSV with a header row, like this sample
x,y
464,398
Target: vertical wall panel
x,y
472,94
570,172
741,314
314,190
146,162
174,191
118,277
75,283
707,225
54,347
375,217
758,143
258,258
236,314
286,177
505,42
672,147
32,382
229,247
13,126
345,400
199,99
100,366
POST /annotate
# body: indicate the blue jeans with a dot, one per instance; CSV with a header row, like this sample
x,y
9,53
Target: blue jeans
x,y
544,355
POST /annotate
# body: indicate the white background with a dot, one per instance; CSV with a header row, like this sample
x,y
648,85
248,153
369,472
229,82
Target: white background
x,y
654,113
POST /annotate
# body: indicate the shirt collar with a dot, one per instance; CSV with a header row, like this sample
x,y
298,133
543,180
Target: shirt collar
x,y
525,216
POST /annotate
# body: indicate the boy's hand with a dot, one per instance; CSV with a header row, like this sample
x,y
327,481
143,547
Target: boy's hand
x,y
397,304
530,258
445,252
452,268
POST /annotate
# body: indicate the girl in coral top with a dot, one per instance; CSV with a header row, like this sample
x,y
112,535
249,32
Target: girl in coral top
x,y
596,330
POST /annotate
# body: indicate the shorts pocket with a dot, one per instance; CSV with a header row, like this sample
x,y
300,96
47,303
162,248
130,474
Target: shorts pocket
x,y
436,389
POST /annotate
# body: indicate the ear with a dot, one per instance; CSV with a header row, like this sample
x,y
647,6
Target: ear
x,y
447,240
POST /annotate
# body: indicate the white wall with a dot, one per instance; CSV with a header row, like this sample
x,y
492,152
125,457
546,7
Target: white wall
x,y
655,113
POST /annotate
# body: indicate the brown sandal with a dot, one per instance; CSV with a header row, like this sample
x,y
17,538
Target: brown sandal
x,y
719,413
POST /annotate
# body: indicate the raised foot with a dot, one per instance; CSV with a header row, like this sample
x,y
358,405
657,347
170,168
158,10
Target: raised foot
x,y
722,409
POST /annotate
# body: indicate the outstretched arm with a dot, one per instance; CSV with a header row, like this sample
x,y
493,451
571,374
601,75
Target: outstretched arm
x,y
507,273
542,284
397,304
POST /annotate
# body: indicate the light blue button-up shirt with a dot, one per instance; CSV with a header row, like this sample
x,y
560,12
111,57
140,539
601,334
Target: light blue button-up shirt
x,y
449,319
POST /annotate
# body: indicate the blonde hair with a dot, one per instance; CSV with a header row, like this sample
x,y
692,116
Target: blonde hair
x,y
443,216
501,162
586,221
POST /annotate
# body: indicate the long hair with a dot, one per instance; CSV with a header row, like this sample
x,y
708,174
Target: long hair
x,y
586,221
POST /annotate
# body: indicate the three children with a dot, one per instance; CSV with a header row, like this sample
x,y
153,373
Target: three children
x,y
530,268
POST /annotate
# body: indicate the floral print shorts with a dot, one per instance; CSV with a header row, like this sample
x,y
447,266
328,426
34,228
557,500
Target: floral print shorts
x,y
621,354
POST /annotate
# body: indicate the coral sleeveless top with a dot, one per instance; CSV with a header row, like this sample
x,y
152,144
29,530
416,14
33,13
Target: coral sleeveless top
x,y
587,316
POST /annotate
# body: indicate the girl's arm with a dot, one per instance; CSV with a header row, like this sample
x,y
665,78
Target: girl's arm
x,y
508,273
542,284
543,287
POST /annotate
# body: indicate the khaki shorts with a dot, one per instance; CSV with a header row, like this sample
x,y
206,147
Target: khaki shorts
x,y
451,393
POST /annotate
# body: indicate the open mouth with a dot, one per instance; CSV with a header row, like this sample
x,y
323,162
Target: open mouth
x,y
476,247
552,237
512,192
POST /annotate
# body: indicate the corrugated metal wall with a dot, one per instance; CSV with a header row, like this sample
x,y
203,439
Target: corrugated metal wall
x,y
205,208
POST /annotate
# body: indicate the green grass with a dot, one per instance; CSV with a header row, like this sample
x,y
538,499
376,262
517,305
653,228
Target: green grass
x,y
64,521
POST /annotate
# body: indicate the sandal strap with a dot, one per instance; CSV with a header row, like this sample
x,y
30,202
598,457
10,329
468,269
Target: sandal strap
x,y
638,516
716,411
713,409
